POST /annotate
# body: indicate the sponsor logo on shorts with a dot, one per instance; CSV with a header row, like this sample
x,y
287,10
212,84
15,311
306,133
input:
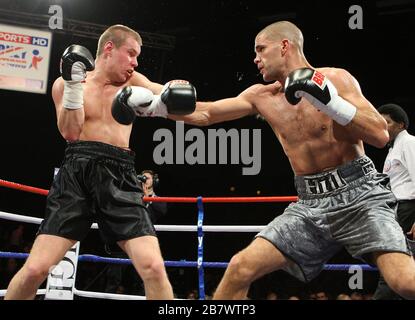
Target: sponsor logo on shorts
x,y
368,166
325,183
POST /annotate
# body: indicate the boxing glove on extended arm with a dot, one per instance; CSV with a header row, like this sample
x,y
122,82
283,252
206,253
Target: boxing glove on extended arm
x,y
320,92
175,98
75,61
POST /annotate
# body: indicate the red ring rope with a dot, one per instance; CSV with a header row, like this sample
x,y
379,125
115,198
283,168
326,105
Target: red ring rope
x,y
22,187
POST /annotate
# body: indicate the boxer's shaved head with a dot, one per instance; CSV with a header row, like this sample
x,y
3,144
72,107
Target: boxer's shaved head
x,y
281,30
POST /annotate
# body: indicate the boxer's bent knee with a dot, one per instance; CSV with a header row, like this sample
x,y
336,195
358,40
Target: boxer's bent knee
x,y
240,269
153,269
35,272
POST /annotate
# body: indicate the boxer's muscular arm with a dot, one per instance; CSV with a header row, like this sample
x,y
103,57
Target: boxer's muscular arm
x,y
141,80
67,92
208,113
70,121
338,95
367,124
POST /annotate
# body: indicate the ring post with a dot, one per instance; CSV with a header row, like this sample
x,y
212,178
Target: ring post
x,y
200,248
61,279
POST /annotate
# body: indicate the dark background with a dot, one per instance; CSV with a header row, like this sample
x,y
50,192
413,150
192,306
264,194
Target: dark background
x,y
214,50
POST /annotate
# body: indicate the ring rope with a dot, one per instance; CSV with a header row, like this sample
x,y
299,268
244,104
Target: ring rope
x,y
91,294
179,228
181,263
105,295
39,292
22,187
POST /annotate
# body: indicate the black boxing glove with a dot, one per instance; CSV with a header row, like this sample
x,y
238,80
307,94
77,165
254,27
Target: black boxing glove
x,y
320,92
129,101
75,61
177,97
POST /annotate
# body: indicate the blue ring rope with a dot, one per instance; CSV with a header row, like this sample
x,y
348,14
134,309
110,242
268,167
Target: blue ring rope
x,y
181,263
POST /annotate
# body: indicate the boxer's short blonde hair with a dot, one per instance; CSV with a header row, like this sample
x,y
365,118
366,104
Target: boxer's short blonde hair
x,y
117,35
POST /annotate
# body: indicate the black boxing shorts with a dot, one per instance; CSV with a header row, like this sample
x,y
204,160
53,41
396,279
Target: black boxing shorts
x,y
97,182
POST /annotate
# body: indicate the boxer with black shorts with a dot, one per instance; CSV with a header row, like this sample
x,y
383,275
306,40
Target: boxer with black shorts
x,y
97,180
321,118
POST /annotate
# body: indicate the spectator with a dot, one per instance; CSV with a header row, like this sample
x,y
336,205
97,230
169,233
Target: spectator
x,y
192,295
321,295
150,181
271,295
343,296
356,296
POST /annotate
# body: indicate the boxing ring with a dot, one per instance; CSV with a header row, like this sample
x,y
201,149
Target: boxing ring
x,y
199,228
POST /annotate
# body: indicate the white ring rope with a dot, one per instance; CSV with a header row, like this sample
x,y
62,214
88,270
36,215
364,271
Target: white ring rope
x,y
105,295
39,292
185,228
91,294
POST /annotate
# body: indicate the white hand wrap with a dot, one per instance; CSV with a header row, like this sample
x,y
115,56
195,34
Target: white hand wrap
x,y
73,95
338,109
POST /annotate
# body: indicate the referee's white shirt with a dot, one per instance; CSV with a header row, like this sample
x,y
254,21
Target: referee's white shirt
x,y
400,166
